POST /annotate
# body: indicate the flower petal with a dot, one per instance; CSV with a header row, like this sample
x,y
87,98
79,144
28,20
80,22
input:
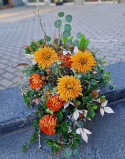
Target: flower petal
x,y
29,56
75,115
66,104
108,110
75,50
104,104
87,131
79,131
102,111
34,62
66,52
84,136
71,103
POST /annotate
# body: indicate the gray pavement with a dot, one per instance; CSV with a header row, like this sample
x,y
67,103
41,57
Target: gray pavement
x,y
103,24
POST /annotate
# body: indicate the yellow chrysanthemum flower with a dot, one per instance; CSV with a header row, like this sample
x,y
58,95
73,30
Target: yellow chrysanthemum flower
x,y
68,88
45,57
83,61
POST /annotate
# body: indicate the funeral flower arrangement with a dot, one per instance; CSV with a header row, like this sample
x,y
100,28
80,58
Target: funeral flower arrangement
x,y
63,80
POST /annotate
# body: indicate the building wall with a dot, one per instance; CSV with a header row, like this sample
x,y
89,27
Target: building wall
x,y
17,2
122,1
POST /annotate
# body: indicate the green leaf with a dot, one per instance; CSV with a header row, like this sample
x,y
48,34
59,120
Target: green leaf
x,y
48,38
49,143
76,152
24,145
66,33
94,107
85,100
75,143
79,35
32,139
86,43
92,113
53,149
67,27
58,23
67,152
68,42
61,14
82,42
64,129
58,41
35,123
68,18
75,42
57,146
30,93
93,82
48,140
90,97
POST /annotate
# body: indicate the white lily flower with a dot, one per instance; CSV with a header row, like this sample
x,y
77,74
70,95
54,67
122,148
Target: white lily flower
x,y
31,56
76,114
75,51
67,104
105,109
66,52
83,132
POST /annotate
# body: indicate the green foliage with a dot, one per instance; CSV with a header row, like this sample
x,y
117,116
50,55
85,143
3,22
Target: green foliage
x,y
79,35
61,14
67,152
58,23
68,18
76,152
48,38
75,42
66,33
67,27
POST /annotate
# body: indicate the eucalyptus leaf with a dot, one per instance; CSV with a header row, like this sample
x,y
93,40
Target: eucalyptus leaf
x,y
67,27
61,14
68,18
66,33
67,152
58,23
76,152
68,42
48,38
79,35
75,42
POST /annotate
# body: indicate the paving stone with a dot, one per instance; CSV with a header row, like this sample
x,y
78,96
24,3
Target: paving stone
x,y
1,71
8,75
2,66
5,83
109,136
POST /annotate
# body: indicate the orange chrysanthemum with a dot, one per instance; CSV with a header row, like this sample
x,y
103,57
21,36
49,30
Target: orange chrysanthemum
x,y
66,59
68,88
54,103
83,61
45,57
48,123
35,81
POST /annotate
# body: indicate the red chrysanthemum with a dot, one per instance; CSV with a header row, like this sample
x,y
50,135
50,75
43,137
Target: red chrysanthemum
x,y
48,123
66,60
54,103
35,81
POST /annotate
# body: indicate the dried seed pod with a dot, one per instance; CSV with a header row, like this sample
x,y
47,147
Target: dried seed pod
x,y
60,52
43,78
47,92
62,62
71,47
49,71
47,77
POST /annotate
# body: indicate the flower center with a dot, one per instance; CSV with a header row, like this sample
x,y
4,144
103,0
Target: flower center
x,y
69,85
82,61
46,55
